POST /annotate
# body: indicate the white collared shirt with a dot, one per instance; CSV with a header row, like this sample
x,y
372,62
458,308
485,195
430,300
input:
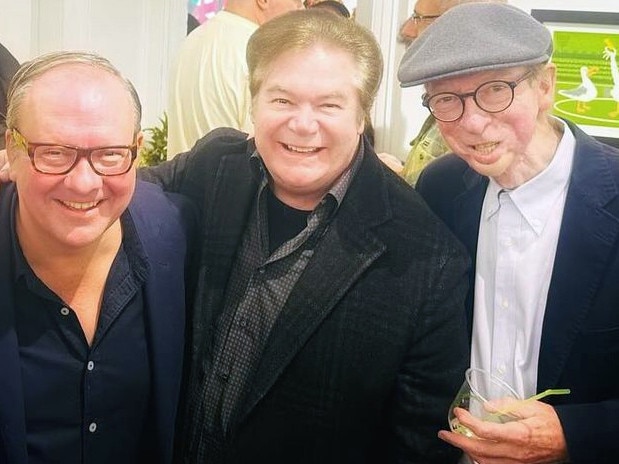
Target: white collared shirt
x,y
517,242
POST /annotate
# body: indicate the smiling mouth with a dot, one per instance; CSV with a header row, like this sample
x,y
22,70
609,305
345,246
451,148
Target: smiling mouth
x,y
485,148
80,206
301,149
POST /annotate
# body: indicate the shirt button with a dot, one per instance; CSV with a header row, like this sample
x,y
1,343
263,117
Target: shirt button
x,y
92,428
90,366
261,271
64,311
243,322
505,304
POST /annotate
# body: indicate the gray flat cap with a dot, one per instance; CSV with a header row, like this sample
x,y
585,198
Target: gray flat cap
x,y
475,37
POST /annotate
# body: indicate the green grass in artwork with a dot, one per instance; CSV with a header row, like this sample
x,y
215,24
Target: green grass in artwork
x,y
587,77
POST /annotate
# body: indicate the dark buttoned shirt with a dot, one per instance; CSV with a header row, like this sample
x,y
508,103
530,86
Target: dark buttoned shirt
x,y
85,404
276,247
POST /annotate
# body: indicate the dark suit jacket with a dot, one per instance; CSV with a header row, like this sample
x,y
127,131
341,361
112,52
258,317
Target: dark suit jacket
x,y
158,225
580,335
370,347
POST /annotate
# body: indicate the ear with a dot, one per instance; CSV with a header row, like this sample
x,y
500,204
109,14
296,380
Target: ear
x,y
7,137
546,86
139,140
363,120
11,147
262,4
8,157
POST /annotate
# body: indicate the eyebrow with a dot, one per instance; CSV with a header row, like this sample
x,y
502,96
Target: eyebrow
x,y
280,89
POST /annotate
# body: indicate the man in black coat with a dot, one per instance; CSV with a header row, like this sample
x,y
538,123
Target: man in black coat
x,y
328,325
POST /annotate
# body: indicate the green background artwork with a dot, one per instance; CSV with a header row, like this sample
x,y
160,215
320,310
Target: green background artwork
x,y
592,99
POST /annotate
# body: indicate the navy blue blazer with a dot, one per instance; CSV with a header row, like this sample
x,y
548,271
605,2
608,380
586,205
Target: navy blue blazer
x,y
580,335
162,232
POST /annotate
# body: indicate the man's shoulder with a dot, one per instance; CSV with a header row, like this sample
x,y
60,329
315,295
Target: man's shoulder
x,y
444,177
448,165
151,205
411,226
221,142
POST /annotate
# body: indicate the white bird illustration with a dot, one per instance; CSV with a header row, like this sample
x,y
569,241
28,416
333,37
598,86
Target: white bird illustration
x,y
610,54
585,92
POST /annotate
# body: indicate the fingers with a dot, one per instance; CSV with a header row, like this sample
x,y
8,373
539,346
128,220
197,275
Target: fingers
x,y
537,437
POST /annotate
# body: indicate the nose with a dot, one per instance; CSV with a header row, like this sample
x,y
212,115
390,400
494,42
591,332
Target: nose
x,y
474,119
304,121
82,178
409,31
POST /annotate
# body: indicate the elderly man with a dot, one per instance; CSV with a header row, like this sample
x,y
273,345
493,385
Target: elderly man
x,y
535,200
92,314
329,324
208,86
428,144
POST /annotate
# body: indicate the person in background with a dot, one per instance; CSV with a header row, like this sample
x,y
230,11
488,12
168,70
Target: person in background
x,y
428,144
8,67
333,5
208,84
91,277
329,324
536,202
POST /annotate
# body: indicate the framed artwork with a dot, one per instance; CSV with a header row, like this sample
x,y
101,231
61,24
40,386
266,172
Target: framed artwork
x,y
201,10
586,45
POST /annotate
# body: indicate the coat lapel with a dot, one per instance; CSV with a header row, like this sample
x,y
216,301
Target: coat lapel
x,y
348,248
164,246
587,239
12,416
467,217
227,208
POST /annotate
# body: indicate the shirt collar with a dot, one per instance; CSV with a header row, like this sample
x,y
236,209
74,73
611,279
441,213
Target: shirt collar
x,y
536,197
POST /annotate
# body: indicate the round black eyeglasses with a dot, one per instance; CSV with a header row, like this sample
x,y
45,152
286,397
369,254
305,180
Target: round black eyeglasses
x,y
492,97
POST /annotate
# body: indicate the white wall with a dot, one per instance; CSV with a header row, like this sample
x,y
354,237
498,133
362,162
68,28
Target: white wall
x,y
140,37
398,113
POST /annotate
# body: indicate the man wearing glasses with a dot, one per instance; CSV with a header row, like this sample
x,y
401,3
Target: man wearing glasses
x,y
91,278
535,201
428,144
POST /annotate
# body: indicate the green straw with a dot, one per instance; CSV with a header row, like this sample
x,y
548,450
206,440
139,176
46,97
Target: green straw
x,y
539,396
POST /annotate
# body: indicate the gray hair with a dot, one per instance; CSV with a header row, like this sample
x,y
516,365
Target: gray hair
x,y
32,70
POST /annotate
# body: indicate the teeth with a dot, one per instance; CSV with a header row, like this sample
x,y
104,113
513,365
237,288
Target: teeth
x,y
79,205
301,149
485,148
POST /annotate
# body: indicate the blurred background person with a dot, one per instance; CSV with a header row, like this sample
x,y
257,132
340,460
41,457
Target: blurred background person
x,y
8,67
333,5
208,84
